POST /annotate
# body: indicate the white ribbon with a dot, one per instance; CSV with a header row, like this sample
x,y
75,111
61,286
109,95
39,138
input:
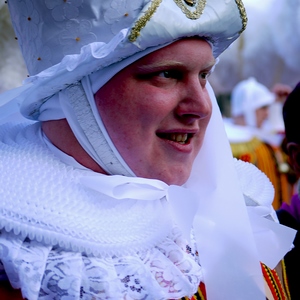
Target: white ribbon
x,y
183,202
272,239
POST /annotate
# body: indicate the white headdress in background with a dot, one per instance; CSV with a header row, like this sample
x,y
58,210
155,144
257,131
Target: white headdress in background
x,y
247,96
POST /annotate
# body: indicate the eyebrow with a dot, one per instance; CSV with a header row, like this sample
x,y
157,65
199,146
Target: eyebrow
x,y
169,63
159,65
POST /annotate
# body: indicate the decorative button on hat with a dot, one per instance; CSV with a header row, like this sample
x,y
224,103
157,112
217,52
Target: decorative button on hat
x,y
190,2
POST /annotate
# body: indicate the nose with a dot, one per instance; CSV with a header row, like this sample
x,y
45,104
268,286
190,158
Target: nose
x,y
194,102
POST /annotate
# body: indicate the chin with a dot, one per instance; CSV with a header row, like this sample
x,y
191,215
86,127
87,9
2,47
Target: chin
x,y
173,176
180,178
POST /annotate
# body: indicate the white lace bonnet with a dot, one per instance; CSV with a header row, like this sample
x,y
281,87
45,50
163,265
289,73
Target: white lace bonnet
x,y
64,41
247,96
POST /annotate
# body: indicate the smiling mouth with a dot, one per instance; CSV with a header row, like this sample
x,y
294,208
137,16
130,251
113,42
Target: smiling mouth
x,y
181,138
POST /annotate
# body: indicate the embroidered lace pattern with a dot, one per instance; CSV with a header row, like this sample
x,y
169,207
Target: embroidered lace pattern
x,y
45,272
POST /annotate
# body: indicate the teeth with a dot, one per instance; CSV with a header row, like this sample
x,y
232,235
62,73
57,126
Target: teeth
x,y
179,138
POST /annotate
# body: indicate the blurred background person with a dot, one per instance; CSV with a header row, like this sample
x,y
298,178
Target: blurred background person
x,y
12,66
252,136
273,128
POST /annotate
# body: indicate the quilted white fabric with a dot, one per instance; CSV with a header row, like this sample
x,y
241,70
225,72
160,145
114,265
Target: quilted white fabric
x,y
51,205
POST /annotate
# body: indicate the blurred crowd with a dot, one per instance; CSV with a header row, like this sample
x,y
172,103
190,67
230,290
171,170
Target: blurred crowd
x,y
252,81
255,130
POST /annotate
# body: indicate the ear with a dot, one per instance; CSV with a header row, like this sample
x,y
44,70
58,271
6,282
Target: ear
x,y
293,150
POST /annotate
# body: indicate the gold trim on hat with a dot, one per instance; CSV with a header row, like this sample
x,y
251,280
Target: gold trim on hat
x,y
243,14
186,8
141,23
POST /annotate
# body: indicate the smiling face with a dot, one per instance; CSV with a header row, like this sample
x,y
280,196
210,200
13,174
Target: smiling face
x,y
157,109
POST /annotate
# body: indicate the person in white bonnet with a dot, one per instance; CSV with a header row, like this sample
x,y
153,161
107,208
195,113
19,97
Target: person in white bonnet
x,y
251,141
121,185
250,101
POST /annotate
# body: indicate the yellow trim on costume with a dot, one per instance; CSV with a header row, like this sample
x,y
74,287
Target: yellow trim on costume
x,y
274,284
246,150
285,281
141,22
243,14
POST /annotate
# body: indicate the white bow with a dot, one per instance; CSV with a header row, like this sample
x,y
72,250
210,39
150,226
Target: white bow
x,y
183,201
273,240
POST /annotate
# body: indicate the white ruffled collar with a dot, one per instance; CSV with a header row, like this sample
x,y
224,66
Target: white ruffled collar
x,y
71,215
166,271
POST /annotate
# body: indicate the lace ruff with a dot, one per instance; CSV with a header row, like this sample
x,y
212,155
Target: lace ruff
x,y
44,272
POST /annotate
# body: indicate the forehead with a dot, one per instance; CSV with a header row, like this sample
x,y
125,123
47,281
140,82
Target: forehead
x,y
193,51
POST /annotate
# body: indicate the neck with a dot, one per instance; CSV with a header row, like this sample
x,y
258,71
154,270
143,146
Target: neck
x,y
62,137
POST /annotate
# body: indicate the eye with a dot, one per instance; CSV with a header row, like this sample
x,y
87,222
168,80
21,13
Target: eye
x,y
169,74
204,75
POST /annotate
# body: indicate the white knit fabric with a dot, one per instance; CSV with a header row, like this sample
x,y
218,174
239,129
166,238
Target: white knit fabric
x,y
79,218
